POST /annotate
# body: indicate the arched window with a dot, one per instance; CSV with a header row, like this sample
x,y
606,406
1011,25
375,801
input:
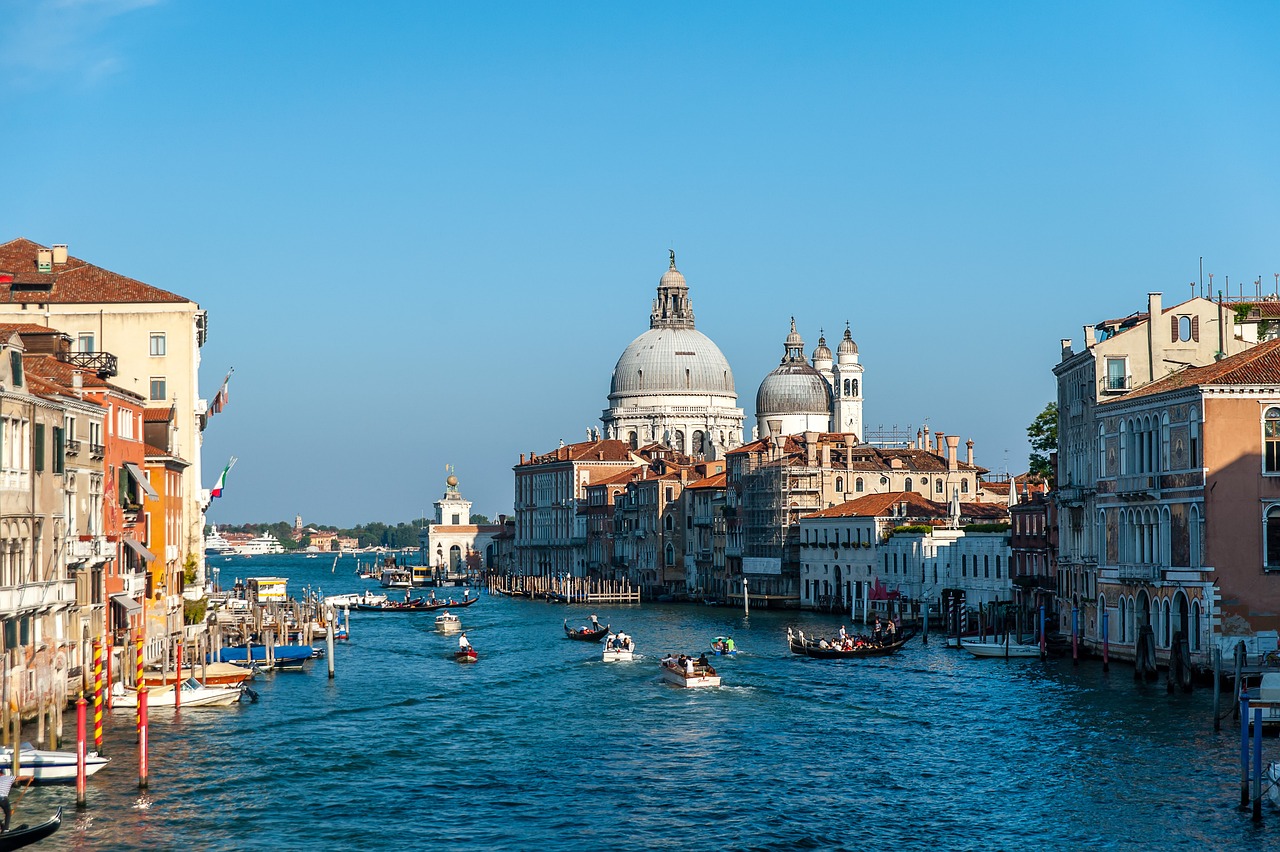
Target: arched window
x,y
640,378
699,438
1194,626
1194,449
937,486
855,387
1123,637
1102,450
668,522
633,439
997,566
688,381
1271,441
839,484
671,555
908,488
1272,536
1166,635
1164,442
964,486
1124,449
1195,554
846,387
857,484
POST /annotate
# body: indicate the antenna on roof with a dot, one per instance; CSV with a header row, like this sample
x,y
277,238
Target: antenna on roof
x,y
1202,275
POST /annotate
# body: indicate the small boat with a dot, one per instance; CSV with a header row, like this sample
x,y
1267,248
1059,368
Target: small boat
x,y
619,648
823,650
1006,649
722,646
291,657
1272,777
396,578
24,835
50,767
466,655
585,634
211,674
686,676
350,601
447,622
193,695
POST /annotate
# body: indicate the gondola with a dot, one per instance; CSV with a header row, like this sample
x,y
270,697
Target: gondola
x,y
24,835
585,635
811,649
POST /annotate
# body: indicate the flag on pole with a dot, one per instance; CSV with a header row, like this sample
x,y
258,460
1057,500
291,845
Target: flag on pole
x,y
220,398
222,480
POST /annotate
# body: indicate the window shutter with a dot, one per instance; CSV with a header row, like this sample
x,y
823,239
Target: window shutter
x,y
1195,328
38,447
59,449
1173,329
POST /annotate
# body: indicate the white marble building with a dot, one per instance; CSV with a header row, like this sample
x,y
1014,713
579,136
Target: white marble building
x,y
823,396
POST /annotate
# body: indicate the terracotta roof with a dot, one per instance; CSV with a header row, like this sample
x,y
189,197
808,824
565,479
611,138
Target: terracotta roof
x,y
620,478
717,481
62,372
606,450
1257,365
8,328
878,505
75,281
157,415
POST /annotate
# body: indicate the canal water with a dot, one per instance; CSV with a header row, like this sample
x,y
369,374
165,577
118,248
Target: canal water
x,y
540,744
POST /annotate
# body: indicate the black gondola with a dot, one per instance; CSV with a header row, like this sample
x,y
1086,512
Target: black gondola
x,y
24,835
813,649
585,635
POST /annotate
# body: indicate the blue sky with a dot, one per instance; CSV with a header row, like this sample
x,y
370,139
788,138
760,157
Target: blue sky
x,y
425,232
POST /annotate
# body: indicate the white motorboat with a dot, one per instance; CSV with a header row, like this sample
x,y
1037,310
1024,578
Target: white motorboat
x,y
1265,696
350,601
1001,649
689,677
618,648
447,622
50,767
193,695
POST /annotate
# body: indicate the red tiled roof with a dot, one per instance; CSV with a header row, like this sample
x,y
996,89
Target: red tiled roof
x,y
62,372
878,505
1257,365
717,481
605,450
157,415
75,281
8,328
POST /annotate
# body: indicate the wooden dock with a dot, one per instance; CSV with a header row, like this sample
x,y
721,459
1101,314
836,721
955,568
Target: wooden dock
x,y
584,590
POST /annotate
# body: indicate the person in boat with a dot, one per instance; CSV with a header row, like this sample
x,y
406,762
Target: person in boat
x,y
595,624
729,646
688,666
891,632
668,660
876,631
463,644
843,635
6,784
702,660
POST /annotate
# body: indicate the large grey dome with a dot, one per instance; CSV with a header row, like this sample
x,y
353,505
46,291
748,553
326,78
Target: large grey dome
x,y
793,388
668,360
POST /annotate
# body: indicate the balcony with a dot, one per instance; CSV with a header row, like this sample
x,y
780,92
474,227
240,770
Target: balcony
x,y
104,364
1117,384
90,547
1138,573
73,447
37,597
1138,485
97,451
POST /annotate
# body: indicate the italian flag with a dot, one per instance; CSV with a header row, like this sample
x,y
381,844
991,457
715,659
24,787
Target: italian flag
x,y
222,480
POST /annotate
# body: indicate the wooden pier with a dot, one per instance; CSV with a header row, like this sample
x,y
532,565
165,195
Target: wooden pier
x,y
564,589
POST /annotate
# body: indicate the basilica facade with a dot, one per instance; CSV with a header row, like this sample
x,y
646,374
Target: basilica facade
x,y
824,395
672,385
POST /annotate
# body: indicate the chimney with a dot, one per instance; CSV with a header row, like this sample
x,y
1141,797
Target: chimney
x,y
1066,348
60,254
925,444
826,455
775,427
522,458
919,440
810,448
1153,317
953,443
44,260
942,438
1089,337
969,455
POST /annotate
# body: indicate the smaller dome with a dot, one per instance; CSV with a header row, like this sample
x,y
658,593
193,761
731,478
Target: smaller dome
x,y
794,388
822,352
672,277
847,346
794,340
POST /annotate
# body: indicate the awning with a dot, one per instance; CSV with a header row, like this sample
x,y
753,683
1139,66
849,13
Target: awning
x,y
128,604
136,547
141,478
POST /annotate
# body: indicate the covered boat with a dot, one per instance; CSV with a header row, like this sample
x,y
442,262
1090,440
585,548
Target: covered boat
x,y
688,673
24,835
618,648
1272,778
850,649
210,674
585,633
447,622
285,656
1006,649
50,767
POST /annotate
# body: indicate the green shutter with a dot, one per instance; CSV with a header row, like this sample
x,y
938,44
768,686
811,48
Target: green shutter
x,y
59,449
38,447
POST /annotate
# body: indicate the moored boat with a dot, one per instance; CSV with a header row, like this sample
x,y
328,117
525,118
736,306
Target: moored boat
x,y
585,633
50,767
350,601
285,656
618,648
688,672
193,695
1006,649
1272,777
24,835
210,674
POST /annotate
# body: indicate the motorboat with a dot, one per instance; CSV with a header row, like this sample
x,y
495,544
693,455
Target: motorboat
x,y
396,578
210,674
50,767
353,600
851,648
466,655
585,634
193,695
447,622
723,646
691,675
291,657
24,835
1272,776
1008,650
1265,696
618,648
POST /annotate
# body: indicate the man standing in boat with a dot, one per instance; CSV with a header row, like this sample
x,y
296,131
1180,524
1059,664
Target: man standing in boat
x,y
595,623
463,644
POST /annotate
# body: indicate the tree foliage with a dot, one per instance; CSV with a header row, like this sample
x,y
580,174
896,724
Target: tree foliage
x,y
478,519
1043,434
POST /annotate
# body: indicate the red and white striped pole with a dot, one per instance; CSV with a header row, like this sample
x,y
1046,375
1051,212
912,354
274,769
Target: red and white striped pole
x,y
81,733
142,738
97,695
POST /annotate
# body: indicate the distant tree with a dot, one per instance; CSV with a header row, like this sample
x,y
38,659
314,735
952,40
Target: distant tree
x,y
1043,434
478,518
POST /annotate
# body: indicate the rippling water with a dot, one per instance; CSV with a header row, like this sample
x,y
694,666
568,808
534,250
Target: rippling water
x,y
541,744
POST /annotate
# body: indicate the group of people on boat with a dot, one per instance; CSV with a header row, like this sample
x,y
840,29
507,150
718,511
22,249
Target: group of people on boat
x,y
594,627
618,642
689,666
724,646
882,633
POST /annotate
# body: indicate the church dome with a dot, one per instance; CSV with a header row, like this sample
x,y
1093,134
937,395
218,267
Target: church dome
x,y
672,361
793,388
847,346
822,352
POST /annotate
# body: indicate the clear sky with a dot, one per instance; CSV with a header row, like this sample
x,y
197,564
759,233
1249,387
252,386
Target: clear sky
x,y
425,232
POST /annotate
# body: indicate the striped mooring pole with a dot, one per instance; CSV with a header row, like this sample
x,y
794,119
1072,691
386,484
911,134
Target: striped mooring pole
x,y
137,684
97,695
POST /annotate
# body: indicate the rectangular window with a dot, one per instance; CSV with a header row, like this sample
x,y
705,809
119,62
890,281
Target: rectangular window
x,y
38,447
1271,440
157,343
59,449
84,343
15,363
1117,378
157,388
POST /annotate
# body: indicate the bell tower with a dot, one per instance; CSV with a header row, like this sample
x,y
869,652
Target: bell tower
x,y
848,390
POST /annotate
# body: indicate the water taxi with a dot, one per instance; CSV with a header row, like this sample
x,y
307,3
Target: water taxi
x,y
689,674
447,622
618,648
